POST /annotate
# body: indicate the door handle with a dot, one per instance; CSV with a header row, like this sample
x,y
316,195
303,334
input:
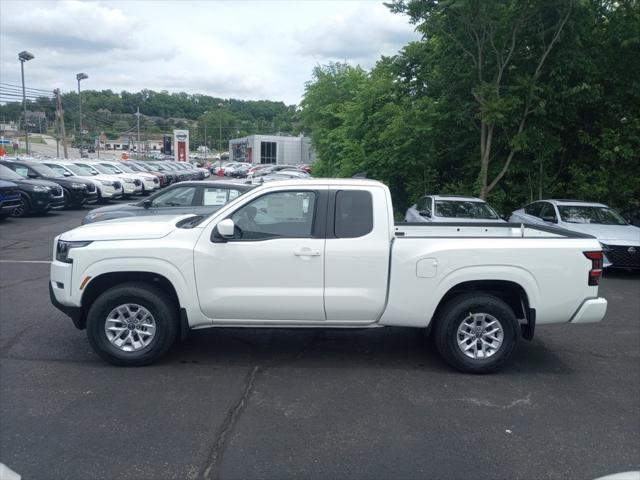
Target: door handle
x,y
306,252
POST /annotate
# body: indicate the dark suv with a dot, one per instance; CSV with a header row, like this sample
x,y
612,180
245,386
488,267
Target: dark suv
x,y
77,191
35,195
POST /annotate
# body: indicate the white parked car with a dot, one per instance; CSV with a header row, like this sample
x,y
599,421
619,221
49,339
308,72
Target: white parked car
x,y
451,208
321,253
109,187
150,183
130,185
620,240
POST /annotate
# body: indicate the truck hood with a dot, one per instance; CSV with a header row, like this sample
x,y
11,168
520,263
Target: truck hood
x,y
609,234
131,228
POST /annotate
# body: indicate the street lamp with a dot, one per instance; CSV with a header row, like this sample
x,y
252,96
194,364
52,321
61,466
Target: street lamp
x,y
25,56
80,76
220,105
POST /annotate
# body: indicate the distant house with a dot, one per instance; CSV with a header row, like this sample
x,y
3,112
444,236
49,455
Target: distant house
x,y
151,144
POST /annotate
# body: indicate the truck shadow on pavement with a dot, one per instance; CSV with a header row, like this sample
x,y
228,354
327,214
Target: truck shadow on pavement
x,y
383,348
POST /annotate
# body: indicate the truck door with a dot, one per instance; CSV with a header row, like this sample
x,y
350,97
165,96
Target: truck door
x,y
273,267
356,254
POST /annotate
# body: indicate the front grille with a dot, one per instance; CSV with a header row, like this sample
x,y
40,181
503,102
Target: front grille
x,y
117,185
623,256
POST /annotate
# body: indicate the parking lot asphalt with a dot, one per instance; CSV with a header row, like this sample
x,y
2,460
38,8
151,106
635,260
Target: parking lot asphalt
x,y
276,404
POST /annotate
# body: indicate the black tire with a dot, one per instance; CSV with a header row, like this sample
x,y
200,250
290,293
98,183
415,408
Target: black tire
x,y
155,301
455,312
24,210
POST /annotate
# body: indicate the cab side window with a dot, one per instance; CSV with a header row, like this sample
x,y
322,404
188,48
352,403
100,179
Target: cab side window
x,y
354,213
276,215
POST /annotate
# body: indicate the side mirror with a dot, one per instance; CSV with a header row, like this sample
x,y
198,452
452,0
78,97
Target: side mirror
x,y
147,203
67,174
425,213
226,228
32,175
549,218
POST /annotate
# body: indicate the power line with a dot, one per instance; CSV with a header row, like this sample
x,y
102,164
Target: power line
x,y
26,88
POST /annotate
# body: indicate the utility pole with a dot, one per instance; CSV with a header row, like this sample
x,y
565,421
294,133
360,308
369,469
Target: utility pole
x,y
60,118
138,146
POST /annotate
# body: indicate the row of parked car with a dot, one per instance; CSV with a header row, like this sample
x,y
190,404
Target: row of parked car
x,y
200,198
38,185
250,170
619,236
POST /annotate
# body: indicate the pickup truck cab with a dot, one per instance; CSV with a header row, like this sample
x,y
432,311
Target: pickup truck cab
x,y
322,253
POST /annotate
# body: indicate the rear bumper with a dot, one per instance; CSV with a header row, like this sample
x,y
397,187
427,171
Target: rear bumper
x,y
592,310
8,206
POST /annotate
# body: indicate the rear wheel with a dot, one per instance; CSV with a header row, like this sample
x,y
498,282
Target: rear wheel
x,y
132,324
476,333
23,208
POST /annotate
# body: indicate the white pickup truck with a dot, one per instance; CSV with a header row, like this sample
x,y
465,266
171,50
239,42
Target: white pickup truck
x,y
322,253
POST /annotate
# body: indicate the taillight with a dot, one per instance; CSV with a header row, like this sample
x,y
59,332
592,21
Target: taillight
x,y
596,266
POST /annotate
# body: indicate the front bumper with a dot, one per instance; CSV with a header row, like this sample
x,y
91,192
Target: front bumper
x,y
60,289
592,310
74,313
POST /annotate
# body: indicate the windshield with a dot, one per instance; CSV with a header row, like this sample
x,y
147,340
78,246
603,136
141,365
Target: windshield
x,y
463,209
7,173
82,171
125,168
45,171
110,168
590,215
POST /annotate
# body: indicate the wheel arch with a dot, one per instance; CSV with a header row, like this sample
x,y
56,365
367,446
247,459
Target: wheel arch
x,y
510,292
104,281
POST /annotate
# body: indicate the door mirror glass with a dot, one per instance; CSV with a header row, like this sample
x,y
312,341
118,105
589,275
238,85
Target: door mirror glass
x,y
226,227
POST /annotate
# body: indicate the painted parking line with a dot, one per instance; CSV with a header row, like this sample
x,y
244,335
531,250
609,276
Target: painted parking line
x,y
25,261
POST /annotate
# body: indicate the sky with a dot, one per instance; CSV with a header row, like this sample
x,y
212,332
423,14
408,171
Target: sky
x,y
260,49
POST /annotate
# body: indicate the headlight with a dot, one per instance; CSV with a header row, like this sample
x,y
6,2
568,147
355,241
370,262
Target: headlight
x,y
63,248
108,183
38,188
78,185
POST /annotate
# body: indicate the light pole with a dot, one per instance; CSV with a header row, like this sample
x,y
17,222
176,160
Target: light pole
x,y
205,135
220,105
80,76
25,56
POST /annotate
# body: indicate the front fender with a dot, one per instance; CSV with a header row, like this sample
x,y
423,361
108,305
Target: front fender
x,y
152,265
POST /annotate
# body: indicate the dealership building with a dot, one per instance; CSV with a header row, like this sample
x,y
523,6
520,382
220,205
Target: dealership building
x,y
275,149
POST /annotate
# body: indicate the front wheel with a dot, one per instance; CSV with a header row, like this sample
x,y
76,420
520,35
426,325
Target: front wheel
x,y
23,208
476,333
132,324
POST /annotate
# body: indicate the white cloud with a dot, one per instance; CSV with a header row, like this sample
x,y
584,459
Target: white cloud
x,y
240,49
